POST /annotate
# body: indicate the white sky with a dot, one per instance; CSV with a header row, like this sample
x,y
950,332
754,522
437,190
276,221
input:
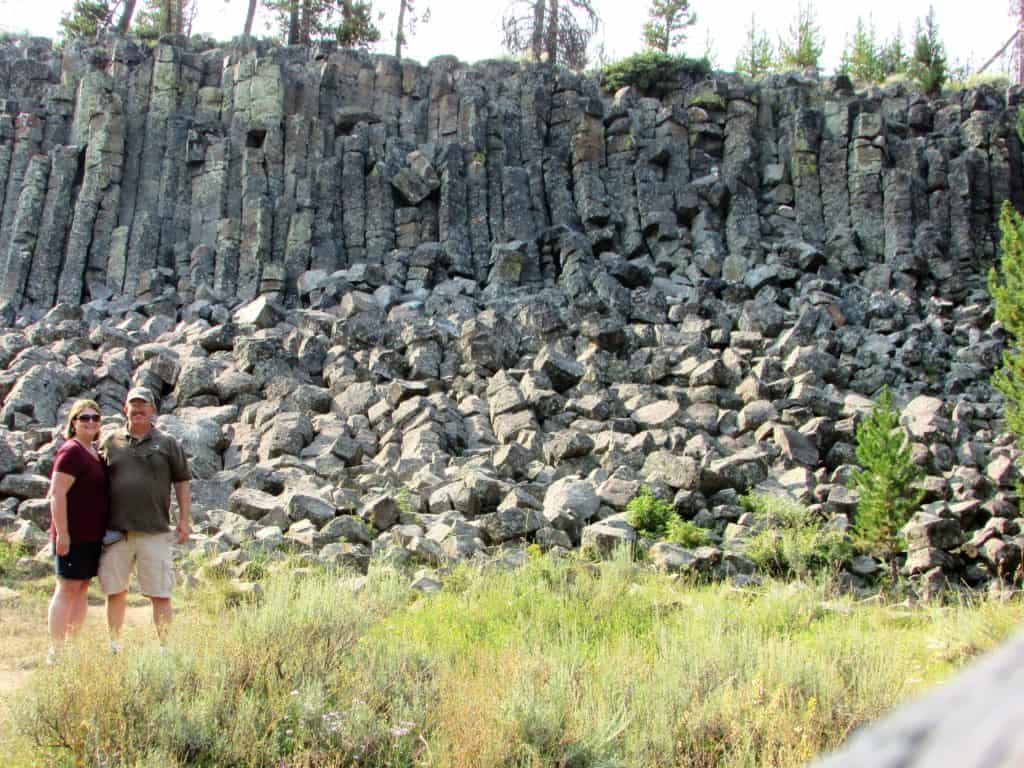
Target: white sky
x,y
972,31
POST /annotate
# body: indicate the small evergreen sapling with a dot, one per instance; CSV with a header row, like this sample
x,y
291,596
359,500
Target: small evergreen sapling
x,y
1007,288
885,482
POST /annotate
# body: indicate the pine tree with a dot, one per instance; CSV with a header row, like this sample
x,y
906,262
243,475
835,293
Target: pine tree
x,y
893,56
556,30
356,29
408,18
666,27
928,64
1007,288
757,57
862,57
885,482
163,17
804,44
87,18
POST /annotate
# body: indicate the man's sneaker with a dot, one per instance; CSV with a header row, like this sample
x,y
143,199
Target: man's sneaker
x,y
115,647
52,656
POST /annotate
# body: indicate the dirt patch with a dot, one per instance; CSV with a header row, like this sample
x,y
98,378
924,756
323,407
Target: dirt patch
x,y
24,640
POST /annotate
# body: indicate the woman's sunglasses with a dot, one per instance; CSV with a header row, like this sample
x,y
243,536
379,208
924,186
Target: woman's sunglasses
x,y
88,417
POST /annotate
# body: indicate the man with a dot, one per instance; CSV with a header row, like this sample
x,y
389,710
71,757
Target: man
x,y
144,463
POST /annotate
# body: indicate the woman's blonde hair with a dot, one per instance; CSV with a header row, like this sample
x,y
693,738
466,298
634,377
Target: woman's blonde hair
x,y
77,408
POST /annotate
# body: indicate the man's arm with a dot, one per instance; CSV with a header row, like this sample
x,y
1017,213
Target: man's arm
x,y
183,493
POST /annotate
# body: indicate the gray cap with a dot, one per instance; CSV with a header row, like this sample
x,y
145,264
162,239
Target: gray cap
x,y
140,393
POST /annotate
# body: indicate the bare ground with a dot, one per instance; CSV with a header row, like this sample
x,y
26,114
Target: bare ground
x,y
24,640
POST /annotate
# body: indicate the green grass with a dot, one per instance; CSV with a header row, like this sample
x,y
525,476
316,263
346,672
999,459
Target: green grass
x,y
790,542
33,581
9,554
563,663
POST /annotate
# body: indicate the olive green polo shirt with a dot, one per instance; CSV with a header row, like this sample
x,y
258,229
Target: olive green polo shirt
x,y
141,474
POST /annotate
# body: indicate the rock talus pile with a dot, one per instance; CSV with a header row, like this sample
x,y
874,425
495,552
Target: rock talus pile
x,y
445,310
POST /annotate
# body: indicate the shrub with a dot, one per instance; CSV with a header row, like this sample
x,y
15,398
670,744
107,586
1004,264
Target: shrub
x,y
9,554
885,482
790,542
1000,81
653,72
649,515
686,533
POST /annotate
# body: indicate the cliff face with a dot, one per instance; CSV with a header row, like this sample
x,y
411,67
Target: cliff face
x,y
140,172
514,296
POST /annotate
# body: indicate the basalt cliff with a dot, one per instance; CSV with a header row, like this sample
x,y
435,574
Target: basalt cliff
x,y
444,311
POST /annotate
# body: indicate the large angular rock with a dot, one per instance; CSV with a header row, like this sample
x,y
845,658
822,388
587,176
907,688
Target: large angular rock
x,y
673,558
927,530
290,433
24,486
569,504
741,471
253,504
562,371
416,178
795,446
510,523
660,415
261,312
344,554
675,471
380,512
607,536
925,419
303,506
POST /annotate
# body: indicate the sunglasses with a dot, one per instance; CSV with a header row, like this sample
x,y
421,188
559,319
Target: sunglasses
x,y
88,417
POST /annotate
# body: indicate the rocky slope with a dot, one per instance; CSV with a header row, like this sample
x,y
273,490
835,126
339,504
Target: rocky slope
x,y
447,310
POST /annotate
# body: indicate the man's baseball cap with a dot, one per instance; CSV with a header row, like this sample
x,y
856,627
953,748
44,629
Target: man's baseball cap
x,y
140,393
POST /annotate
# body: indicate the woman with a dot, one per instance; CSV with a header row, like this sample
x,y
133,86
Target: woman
x,y
79,506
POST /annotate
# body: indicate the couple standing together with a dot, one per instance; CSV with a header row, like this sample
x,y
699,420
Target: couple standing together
x,y
110,506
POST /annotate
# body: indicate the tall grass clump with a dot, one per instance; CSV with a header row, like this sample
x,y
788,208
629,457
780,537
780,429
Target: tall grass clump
x,y
563,662
9,555
790,542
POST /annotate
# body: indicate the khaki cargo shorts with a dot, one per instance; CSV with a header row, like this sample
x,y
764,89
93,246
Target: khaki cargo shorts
x,y
152,556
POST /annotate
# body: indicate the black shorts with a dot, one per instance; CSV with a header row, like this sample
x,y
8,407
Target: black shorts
x,y
81,562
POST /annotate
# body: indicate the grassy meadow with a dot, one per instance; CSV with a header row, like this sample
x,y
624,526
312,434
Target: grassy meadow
x,y
561,663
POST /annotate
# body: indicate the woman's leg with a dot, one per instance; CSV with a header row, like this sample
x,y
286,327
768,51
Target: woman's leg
x,y
62,605
80,607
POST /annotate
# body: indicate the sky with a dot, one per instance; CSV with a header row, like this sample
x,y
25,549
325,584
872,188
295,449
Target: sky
x,y
471,30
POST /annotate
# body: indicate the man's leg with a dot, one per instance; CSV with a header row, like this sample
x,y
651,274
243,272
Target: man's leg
x,y
163,613
114,575
116,605
156,576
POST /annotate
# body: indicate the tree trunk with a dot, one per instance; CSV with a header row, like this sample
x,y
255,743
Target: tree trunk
x,y
293,23
1020,43
400,35
250,15
166,16
537,43
551,46
126,17
306,30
